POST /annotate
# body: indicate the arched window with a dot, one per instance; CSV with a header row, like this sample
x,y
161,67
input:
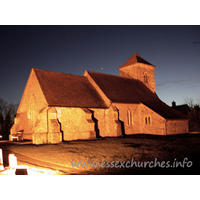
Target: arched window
x,y
145,78
147,120
129,117
32,109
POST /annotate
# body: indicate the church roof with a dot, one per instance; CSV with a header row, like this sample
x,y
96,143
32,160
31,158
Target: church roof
x,y
126,90
68,90
135,58
62,89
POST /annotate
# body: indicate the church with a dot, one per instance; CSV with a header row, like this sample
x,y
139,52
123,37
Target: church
x,y
58,107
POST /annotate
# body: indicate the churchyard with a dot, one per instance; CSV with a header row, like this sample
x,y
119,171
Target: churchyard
x,y
136,154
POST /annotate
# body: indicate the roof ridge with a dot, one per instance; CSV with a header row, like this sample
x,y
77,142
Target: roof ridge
x,y
121,77
35,69
102,73
135,58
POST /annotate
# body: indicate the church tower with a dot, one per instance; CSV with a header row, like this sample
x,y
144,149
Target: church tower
x,y
138,68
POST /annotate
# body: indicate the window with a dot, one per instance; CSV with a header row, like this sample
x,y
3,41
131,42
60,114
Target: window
x,y
31,112
145,120
148,120
145,78
129,117
32,108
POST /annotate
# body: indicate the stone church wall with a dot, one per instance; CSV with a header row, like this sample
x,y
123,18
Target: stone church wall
x,y
129,118
28,112
151,122
47,127
32,89
76,123
139,119
177,127
107,123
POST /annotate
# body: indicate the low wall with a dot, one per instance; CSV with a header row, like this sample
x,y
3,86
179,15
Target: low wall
x,y
176,127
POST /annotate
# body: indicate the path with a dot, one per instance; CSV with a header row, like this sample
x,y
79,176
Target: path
x,y
34,162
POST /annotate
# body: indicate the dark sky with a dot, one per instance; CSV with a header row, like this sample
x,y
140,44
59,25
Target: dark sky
x,y
175,50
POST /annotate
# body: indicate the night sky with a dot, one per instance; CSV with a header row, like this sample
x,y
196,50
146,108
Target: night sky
x,y
174,50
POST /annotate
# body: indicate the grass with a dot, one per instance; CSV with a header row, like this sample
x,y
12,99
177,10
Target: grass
x,y
139,147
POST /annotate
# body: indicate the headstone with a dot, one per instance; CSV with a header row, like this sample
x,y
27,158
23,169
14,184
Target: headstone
x,y
1,157
12,161
21,171
1,160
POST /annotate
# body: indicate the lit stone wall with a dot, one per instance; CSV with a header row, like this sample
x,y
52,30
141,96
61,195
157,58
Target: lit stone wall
x,y
107,122
31,104
76,123
37,121
129,117
47,127
41,124
138,118
151,122
39,138
32,87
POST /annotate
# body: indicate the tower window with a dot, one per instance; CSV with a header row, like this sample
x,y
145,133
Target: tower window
x,y
145,78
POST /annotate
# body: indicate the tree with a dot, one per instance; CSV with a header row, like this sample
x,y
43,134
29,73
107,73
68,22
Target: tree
x,y
191,103
7,114
1,123
194,114
2,115
7,124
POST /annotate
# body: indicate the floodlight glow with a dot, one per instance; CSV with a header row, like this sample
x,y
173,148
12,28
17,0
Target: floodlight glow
x,y
12,161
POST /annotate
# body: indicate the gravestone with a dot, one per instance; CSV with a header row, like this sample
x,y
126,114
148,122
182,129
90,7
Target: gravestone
x,y
1,160
21,171
12,161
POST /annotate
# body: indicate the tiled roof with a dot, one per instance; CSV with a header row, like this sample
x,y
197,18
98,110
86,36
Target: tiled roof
x,y
62,89
67,90
125,90
135,58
